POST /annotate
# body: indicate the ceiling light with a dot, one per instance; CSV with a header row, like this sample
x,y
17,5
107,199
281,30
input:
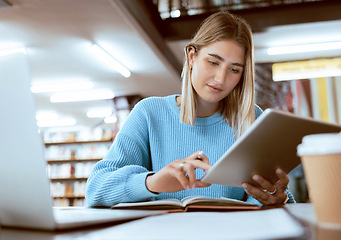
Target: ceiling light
x,y
314,47
46,116
106,57
110,119
99,113
60,86
57,122
175,13
81,96
12,51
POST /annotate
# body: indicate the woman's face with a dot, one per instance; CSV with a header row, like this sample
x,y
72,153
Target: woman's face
x,y
216,70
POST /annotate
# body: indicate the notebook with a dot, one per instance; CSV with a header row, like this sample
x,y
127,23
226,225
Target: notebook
x,y
269,143
25,199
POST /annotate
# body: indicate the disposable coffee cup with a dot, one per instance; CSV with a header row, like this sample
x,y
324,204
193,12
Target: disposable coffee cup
x,y
321,158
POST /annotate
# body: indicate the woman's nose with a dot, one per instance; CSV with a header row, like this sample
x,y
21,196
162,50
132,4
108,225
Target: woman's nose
x,y
220,76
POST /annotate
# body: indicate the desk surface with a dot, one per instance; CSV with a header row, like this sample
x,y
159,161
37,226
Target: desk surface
x,y
305,213
195,225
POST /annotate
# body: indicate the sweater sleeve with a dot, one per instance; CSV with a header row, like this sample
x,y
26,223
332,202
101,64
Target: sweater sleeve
x,y
121,175
258,111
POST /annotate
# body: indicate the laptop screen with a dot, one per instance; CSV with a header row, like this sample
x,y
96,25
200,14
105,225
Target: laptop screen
x,y
24,185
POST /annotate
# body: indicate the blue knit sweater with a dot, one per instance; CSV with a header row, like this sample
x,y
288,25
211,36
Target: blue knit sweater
x,y
151,138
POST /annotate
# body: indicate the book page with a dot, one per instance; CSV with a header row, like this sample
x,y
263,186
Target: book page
x,y
157,204
202,200
177,204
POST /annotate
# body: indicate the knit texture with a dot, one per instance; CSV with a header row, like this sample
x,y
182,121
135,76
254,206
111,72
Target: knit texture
x,y
151,138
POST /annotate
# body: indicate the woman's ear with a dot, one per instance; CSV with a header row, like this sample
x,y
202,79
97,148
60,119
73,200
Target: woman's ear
x,y
190,55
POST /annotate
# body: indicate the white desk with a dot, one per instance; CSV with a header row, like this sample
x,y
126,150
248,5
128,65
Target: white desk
x,y
305,213
197,225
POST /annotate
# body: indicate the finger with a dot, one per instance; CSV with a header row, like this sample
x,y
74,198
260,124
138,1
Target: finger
x,y
257,194
194,155
189,169
180,176
199,164
283,182
198,155
200,184
265,184
263,196
204,159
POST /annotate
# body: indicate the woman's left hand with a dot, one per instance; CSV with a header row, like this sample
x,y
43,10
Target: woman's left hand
x,y
267,193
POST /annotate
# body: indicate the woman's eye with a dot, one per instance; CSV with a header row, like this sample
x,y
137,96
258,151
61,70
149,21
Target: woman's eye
x,y
213,63
234,70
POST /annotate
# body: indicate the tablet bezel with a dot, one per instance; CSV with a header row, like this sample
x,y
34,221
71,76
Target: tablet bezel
x,y
269,143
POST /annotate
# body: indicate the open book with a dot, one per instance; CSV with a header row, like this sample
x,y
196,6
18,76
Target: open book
x,y
189,203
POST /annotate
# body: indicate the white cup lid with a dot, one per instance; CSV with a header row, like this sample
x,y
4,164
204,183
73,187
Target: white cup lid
x,y
324,143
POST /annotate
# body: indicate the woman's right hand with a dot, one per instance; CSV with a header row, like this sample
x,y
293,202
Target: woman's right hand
x,y
179,175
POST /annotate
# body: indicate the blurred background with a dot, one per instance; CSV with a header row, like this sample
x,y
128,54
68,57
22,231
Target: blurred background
x,y
91,61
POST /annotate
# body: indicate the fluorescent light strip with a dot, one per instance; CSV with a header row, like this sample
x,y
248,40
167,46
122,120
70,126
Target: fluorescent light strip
x,y
12,51
110,119
81,96
99,113
314,47
59,87
108,58
57,123
46,116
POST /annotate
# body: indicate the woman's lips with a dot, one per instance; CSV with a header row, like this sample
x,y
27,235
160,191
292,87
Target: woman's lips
x,y
214,89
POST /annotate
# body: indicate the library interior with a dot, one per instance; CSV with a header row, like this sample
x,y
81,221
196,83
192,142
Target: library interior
x,y
88,63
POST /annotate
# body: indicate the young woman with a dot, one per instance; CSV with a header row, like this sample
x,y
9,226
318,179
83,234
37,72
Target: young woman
x,y
158,153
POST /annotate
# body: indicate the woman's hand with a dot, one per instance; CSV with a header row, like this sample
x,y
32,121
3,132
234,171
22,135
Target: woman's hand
x,y
267,193
179,175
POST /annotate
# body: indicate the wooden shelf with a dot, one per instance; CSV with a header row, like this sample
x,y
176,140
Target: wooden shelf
x,y
69,196
78,142
74,160
69,179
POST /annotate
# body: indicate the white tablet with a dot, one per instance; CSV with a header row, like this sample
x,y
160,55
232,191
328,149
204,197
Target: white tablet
x,y
269,143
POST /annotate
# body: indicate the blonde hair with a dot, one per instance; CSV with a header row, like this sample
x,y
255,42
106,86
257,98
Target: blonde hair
x,y
238,107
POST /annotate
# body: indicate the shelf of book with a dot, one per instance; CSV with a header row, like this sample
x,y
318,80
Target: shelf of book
x,y
71,153
69,165
69,201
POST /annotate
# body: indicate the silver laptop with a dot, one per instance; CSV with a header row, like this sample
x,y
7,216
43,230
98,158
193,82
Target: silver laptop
x,y
270,143
25,199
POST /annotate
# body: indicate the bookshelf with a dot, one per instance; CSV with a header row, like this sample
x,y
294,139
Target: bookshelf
x,y
69,166
71,154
